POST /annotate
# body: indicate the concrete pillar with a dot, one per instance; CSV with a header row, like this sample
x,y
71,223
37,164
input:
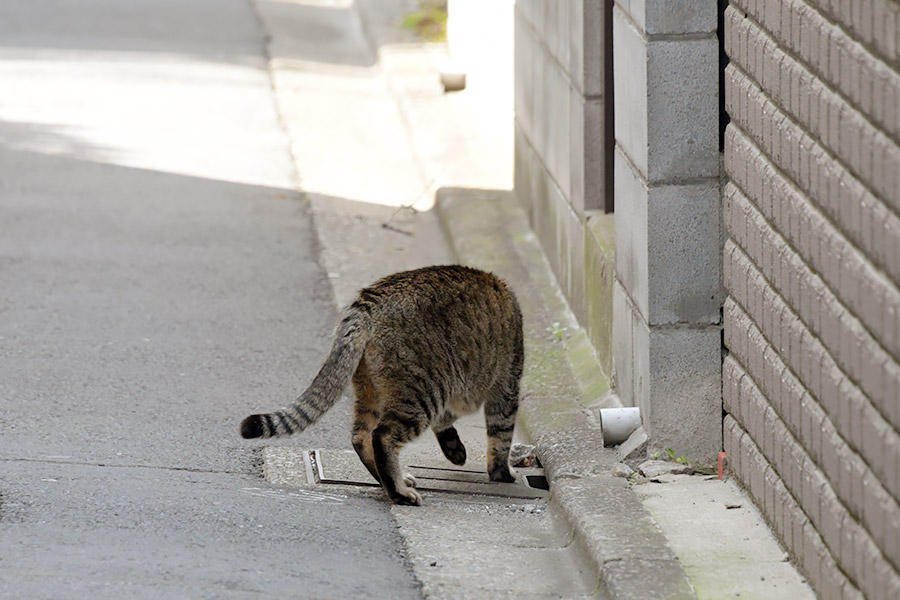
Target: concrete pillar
x,y
667,294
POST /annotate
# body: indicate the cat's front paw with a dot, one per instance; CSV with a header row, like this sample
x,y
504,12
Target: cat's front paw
x,y
407,496
409,480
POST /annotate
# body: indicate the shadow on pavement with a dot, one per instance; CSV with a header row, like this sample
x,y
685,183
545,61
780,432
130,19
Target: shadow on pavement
x,y
209,30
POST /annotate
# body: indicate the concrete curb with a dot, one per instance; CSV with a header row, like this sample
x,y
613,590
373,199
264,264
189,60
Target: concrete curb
x,y
488,229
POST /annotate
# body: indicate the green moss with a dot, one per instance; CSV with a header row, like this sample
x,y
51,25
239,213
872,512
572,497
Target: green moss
x,y
429,21
593,381
599,273
602,228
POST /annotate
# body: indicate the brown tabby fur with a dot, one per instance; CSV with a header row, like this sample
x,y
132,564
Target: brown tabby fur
x,y
422,347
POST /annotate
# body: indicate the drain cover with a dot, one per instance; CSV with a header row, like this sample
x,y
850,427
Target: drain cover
x,y
294,466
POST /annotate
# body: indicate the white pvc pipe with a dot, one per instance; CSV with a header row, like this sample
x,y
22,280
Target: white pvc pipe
x,y
619,423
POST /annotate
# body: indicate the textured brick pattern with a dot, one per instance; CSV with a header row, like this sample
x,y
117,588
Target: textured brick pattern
x,y
811,385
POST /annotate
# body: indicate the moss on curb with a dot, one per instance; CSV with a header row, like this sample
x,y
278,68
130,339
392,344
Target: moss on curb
x,y
488,229
428,21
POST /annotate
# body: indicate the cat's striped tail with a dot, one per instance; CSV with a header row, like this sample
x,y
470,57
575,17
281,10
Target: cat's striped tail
x,y
325,390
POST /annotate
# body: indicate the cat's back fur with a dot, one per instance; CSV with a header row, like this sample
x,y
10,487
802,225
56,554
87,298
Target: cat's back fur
x,y
422,348
448,332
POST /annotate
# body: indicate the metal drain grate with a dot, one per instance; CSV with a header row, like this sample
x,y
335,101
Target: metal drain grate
x,y
295,466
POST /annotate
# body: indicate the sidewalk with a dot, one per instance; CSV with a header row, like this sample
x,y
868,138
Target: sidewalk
x,y
640,541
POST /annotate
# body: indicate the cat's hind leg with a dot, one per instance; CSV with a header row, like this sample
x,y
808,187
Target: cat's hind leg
x,y
387,439
365,418
448,438
500,417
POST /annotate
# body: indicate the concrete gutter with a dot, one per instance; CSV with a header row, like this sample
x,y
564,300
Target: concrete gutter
x,y
488,229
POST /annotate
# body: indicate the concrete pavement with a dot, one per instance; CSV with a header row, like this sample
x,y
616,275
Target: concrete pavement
x,y
159,280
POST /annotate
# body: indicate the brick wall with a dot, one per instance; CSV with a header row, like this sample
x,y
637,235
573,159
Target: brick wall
x,y
811,384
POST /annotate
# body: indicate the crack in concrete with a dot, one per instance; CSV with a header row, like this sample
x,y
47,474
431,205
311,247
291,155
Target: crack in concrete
x,y
124,466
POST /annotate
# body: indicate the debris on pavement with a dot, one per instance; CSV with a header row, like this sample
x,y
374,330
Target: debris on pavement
x,y
622,470
522,455
654,468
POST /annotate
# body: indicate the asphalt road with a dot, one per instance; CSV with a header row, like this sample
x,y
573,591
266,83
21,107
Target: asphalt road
x,y
159,280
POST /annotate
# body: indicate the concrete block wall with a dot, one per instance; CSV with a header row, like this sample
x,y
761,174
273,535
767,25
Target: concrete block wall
x,y
811,383
562,136
667,293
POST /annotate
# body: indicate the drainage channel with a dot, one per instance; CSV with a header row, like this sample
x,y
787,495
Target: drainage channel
x,y
471,538
299,467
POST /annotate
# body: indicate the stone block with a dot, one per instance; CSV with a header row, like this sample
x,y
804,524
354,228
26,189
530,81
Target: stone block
x,y
771,500
732,433
581,166
640,339
666,91
570,242
668,253
880,514
593,66
523,65
878,576
813,552
526,10
631,197
547,225
833,450
780,437
633,450
891,465
599,274
581,32
623,345
528,175
683,140
853,540
587,152
683,389
549,27
799,522
732,374
684,254
770,425
539,67
556,128
672,16
813,486
582,26
595,154
630,84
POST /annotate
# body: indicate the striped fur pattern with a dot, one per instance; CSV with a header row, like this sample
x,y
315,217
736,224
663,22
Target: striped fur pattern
x,y
422,348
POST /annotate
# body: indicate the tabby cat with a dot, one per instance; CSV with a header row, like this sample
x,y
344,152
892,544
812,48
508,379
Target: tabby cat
x,y
423,347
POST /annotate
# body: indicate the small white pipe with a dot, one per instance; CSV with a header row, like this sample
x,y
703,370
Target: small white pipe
x,y
453,76
619,423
